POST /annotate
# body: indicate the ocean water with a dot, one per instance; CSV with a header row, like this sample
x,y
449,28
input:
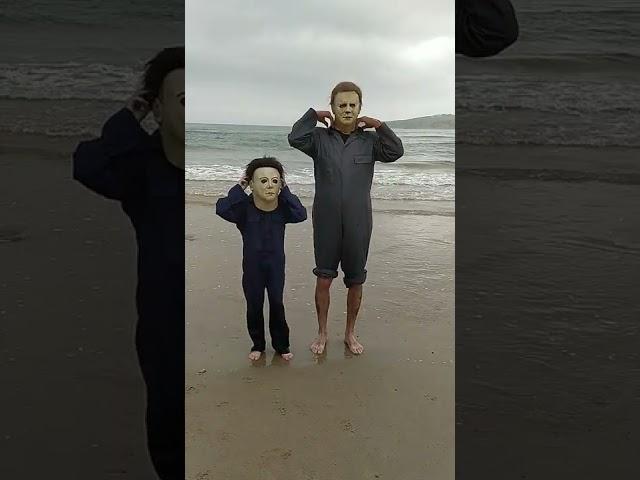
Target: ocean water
x,y
554,75
218,154
66,80
547,247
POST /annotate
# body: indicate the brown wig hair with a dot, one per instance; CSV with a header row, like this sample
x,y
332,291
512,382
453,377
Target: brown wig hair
x,y
158,68
257,163
346,87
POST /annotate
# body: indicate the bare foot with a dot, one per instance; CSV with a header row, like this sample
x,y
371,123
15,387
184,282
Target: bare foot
x,y
319,344
287,356
253,356
352,343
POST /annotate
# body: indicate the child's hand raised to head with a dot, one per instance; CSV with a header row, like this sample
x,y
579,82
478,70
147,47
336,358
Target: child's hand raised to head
x,y
139,105
243,182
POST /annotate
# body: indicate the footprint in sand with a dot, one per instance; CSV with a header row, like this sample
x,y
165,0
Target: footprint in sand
x,y
248,379
202,476
347,426
222,404
190,237
275,454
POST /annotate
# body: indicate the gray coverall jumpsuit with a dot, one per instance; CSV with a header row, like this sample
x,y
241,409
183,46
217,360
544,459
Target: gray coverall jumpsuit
x,y
341,215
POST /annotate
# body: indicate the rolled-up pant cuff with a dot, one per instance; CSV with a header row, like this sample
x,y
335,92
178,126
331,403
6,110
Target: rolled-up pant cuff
x,y
325,273
355,280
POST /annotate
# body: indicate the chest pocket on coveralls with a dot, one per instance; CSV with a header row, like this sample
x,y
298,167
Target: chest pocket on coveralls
x,y
363,159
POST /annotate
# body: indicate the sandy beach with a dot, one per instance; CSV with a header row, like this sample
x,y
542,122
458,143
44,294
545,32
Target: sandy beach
x,y
388,414
74,395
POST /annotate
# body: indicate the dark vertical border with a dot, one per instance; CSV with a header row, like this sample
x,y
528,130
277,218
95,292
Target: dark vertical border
x,y
547,242
73,398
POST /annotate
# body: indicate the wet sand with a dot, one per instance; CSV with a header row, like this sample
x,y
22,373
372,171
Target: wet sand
x,y
547,336
74,395
388,414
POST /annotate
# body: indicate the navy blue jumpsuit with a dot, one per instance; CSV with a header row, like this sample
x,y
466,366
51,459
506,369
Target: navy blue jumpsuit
x,y
263,260
128,165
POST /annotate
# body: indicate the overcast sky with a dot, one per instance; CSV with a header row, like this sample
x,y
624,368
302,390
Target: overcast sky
x,y
259,62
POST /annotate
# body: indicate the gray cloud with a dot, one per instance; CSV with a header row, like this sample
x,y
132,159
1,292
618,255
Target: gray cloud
x,y
259,62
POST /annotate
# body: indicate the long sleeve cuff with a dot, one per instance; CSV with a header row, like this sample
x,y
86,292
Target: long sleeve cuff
x,y
286,192
301,136
388,147
310,116
236,195
385,129
296,211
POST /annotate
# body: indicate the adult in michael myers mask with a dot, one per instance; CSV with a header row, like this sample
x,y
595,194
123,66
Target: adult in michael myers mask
x,y
484,27
344,155
145,173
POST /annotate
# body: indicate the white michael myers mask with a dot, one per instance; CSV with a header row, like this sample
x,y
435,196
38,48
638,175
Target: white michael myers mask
x,y
346,108
266,184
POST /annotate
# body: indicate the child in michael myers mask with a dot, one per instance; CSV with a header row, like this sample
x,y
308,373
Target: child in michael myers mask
x,y
261,219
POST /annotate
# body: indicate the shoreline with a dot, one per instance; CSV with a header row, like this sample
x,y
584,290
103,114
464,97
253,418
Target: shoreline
x,y
595,159
444,208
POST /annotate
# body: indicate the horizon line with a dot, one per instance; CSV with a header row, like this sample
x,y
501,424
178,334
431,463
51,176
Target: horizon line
x,y
266,125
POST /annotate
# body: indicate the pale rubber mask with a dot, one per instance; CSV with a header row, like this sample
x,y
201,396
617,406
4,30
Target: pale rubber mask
x,y
346,108
168,108
266,184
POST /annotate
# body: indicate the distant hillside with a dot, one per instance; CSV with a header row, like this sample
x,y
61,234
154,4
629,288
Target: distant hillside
x,y
435,122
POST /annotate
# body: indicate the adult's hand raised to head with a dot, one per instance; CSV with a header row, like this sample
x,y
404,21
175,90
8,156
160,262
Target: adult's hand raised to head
x,y
368,122
325,117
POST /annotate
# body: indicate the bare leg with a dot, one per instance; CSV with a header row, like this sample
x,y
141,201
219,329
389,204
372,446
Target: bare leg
x,y
323,295
354,298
